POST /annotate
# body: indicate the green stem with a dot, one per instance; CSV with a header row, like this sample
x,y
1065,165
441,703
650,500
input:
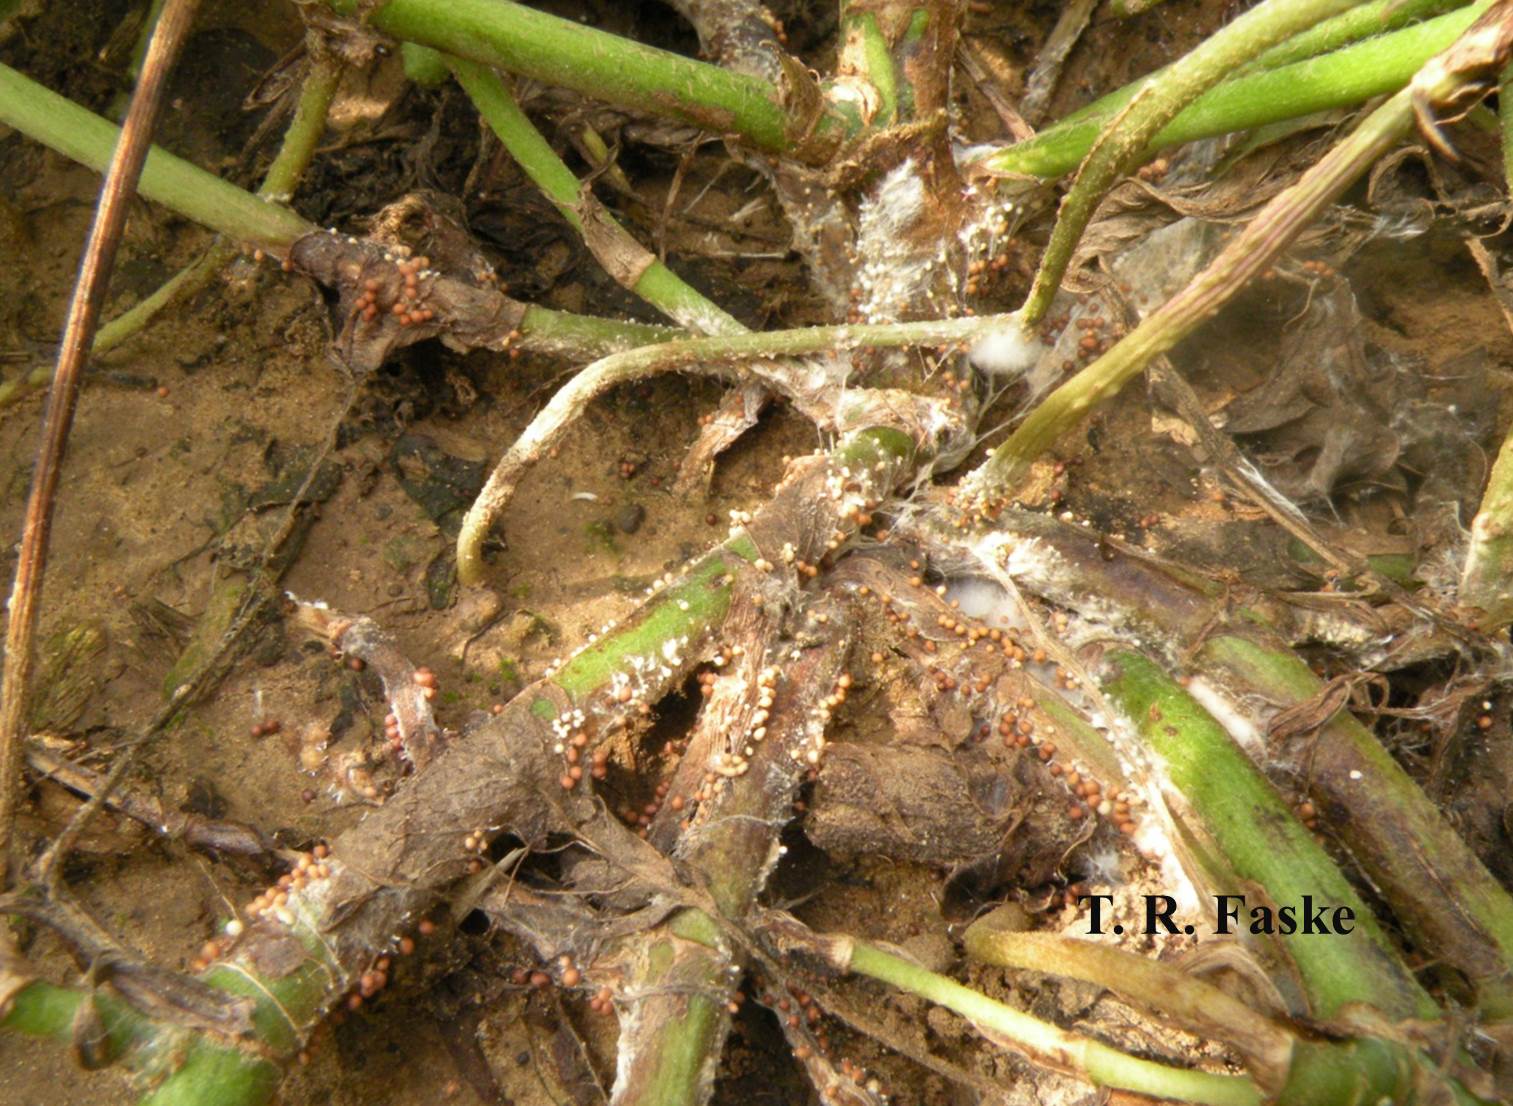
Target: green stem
x,y
1360,22
1093,1060
605,67
1438,889
1265,844
304,132
1291,1071
194,1069
587,336
1377,17
655,283
192,192
679,973
1443,895
1124,142
294,155
681,352
1283,218
185,283
1343,78
171,181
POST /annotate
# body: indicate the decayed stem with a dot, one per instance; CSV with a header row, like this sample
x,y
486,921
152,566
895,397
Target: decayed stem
x,y
1439,890
300,954
1124,141
671,1041
78,332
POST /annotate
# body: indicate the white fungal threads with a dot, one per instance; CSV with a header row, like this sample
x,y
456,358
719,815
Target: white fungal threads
x,y
1227,714
1006,350
892,274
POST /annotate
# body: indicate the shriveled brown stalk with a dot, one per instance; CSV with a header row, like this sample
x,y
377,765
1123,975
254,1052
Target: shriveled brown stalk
x,y
78,334
207,834
677,988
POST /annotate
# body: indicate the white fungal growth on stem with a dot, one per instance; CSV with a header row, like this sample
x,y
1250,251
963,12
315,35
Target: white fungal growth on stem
x,y
892,270
1235,722
1007,350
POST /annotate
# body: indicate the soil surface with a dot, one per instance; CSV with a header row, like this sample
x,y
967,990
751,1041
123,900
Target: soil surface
x,y
191,438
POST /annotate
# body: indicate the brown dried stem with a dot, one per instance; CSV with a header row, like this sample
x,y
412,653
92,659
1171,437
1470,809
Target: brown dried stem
x,y
205,834
78,334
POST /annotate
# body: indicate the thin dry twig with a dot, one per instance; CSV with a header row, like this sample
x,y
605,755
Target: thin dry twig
x,y
78,335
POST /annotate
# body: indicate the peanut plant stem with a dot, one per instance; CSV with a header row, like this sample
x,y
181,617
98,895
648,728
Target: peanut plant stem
x,y
1346,77
1157,986
84,137
1264,843
1124,141
655,282
1440,891
1248,254
294,155
1090,1059
209,1072
88,139
609,68
297,961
